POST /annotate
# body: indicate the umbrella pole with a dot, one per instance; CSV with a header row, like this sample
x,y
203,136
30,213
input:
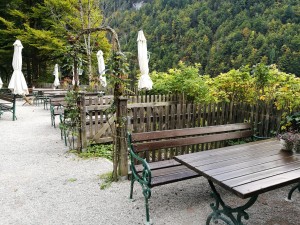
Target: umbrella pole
x,y
14,109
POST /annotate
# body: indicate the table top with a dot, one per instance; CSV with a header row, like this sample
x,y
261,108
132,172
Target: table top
x,y
247,169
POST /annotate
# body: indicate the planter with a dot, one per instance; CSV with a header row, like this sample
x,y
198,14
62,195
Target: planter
x,y
286,145
297,147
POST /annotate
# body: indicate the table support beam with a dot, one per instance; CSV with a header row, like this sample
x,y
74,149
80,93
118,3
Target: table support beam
x,y
226,213
292,191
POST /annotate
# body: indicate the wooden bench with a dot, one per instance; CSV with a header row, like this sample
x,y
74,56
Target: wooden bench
x,y
152,174
9,105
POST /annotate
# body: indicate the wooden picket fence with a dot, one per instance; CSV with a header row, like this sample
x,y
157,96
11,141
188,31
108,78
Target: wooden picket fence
x,y
163,112
97,117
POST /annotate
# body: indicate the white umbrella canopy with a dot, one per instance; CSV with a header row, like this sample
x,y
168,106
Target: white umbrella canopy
x,y
1,83
55,73
145,81
17,82
101,68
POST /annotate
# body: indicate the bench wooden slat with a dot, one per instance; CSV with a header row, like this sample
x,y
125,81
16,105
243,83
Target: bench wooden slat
x,y
190,140
168,170
158,165
174,177
157,135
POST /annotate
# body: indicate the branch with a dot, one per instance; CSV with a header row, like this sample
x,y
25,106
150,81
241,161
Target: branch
x,y
107,29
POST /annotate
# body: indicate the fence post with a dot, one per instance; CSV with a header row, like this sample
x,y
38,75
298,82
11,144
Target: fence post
x,y
121,132
82,143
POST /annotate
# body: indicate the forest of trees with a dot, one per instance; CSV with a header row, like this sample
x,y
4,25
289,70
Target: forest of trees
x,y
50,31
219,35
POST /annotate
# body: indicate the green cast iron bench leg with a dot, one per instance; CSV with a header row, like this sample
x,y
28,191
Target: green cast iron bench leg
x,y
147,195
292,191
226,213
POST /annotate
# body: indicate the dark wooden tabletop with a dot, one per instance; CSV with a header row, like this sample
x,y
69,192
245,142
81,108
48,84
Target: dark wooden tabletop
x,y
247,169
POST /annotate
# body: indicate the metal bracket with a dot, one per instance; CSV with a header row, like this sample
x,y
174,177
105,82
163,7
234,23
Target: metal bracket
x,y
292,191
226,213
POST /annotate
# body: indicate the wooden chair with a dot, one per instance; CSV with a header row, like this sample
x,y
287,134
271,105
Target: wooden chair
x,y
28,100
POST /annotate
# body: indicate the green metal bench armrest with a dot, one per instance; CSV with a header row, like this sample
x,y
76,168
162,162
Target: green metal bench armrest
x,y
145,177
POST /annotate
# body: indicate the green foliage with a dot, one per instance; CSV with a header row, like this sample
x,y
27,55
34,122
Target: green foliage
x,y
184,79
94,151
72,180
261,82
291,122
235,86
71,120
117,72
107,180
220,35
45,29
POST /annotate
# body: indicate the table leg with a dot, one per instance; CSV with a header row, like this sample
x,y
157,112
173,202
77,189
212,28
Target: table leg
x,y
292,191
226,213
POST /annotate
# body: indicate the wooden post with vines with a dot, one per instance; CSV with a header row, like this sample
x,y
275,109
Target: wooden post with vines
x,y
121,135
120,161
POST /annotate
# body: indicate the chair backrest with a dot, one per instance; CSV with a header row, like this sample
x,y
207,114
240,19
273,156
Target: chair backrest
x,y
40,93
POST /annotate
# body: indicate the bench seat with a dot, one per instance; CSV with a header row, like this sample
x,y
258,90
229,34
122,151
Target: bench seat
x,y
171,175
167,171
9,105
6,106
158,165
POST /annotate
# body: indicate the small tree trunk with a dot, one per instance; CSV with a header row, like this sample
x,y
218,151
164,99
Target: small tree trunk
x,y
122,129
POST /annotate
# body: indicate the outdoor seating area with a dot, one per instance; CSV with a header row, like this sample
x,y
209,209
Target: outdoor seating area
x,y
146,112
165,154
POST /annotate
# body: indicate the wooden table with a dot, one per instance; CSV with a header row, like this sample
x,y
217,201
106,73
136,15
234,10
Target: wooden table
x,y
246,170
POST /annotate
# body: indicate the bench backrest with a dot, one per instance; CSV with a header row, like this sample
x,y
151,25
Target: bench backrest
x,y
7,97
57,101
148,141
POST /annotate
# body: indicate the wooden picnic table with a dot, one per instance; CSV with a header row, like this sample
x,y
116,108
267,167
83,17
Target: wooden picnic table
x,y
246,170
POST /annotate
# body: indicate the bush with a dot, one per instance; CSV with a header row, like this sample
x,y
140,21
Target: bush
x,y
102,151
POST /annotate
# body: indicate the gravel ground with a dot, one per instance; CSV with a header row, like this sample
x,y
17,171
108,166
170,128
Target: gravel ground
x,y
42,184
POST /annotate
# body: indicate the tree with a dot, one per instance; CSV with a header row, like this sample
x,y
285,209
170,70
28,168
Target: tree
x,y
70,18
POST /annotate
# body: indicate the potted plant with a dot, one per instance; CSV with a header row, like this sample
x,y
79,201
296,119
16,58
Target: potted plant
x,y
290,139
297,143
287,140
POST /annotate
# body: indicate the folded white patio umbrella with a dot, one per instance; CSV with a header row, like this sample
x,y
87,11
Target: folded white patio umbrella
x,y
73,80
101,68
145,81
17,82
1,83
55,73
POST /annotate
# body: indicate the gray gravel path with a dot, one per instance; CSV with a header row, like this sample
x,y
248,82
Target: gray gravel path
x,y
42,184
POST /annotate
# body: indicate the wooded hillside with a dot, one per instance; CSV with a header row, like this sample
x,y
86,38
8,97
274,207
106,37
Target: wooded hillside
x,y
220,35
